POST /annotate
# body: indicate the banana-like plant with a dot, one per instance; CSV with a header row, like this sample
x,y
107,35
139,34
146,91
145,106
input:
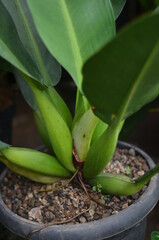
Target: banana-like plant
x,y
115,75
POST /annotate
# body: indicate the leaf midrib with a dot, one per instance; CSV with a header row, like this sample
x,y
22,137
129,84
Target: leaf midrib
x,y
36,52
72,36
130,95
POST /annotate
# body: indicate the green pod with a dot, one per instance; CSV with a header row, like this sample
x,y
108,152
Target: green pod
x,y
101,152
122,185
35,161
34,176
112,184
42,130
58,131
60,106
82,133
99,130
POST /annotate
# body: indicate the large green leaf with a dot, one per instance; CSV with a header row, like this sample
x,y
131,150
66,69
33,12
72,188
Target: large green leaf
x,y
21,46
26,90
124,75
73,30
117,7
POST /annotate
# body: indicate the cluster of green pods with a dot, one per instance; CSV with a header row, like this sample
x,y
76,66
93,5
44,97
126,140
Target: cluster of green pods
x,y
93,140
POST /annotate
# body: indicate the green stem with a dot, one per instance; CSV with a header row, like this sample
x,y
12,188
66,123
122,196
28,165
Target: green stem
x,y
77,99
82,106
101,151
147,176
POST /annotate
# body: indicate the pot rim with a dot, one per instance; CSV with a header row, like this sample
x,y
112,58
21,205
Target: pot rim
x,y
107,227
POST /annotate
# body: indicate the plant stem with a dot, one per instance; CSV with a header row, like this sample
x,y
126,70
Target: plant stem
x,y
147,176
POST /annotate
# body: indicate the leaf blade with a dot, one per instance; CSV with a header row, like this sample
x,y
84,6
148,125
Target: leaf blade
x,y
117,7
134,81
81,39
21,46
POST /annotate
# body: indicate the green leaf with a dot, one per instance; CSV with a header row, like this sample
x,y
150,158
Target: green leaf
x,y
8,48
99,130
124,75
42,129
156,2
55,97
82,133
57,128
101,151
121,185
26,91
60,106
35,161
154,235
3,145
157,10
21,46
82,106
114,184
117,7
73,30
33,175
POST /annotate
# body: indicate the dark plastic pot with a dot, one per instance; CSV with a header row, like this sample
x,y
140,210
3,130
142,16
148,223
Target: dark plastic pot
x,y
129,224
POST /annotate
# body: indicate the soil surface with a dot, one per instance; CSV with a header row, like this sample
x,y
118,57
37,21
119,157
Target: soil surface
x,y
70,204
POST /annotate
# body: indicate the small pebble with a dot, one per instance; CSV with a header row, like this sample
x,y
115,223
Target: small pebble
x,y
141,173
35,213
125,206
91,212
82,220
30,195
132,152
22,196
75,203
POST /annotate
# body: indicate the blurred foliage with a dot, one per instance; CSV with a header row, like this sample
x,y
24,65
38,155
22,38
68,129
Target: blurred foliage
x,y
155,236
149,4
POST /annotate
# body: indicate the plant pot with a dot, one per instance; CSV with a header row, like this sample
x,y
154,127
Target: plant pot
x,y
127,224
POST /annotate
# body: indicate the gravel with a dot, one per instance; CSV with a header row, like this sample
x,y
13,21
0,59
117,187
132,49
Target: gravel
x,y
22,196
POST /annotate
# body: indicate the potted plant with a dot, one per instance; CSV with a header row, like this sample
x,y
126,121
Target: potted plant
x,y
115,76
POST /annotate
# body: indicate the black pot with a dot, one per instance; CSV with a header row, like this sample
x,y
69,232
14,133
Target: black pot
x,y
129,224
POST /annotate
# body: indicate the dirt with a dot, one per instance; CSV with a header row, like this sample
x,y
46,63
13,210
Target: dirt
x,y
66,204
